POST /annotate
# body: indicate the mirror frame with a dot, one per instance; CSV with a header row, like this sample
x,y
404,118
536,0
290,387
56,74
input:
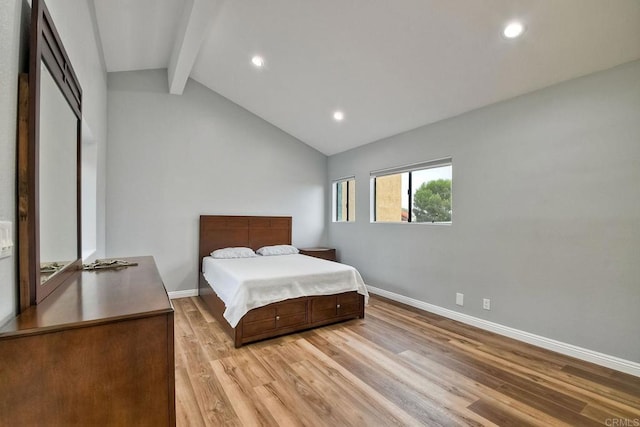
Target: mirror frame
x,y
45,47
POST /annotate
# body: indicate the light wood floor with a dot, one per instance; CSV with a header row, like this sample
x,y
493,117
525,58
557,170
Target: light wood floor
x,y
398,366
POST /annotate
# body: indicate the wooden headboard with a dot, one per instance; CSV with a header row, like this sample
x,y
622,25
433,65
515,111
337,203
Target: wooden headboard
x,y
223,231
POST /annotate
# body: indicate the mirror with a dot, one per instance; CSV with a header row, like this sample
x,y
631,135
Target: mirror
x,y
57,179
49,128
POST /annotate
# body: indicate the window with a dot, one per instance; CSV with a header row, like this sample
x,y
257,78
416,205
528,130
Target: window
x,y
344,200
415,193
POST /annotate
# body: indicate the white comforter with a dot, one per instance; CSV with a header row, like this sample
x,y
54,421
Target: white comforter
x,y
246,283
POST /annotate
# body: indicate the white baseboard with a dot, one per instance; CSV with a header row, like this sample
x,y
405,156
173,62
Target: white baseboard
x,y
183,294
587,355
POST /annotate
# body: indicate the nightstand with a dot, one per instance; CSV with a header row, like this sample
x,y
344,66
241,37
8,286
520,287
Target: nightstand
x,y
324,253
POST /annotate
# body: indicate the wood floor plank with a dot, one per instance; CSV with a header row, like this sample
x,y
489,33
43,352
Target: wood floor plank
x,y
452,399
295,390
387,412
347,410
397,366
547,406
250,366
211,340
409,400
201,307
470,378
559,380
530,355
502,368
416,399
543,361
187,410
553,379
606,414
614,384
213,403
420,323
513,382
249,410
271,397
499,414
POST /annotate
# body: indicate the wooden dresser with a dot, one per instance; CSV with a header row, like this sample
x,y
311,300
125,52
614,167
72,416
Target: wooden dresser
x,y
97,351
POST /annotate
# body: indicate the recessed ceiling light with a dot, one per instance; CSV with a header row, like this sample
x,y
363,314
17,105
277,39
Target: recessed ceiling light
x,y
258,61
338,116
513,30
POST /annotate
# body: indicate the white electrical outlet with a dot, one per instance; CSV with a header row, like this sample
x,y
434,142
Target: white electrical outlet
x,y
459,298
486,304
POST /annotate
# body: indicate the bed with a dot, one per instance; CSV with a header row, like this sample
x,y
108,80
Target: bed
x,y
277,318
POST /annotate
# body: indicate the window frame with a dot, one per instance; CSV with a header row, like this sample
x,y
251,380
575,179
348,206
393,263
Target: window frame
x,y
336,203
410,168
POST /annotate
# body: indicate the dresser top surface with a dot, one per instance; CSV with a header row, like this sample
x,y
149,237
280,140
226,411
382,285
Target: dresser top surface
x,y
92,297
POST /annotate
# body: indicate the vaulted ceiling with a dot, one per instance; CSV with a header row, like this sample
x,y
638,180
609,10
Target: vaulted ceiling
x,y
389,65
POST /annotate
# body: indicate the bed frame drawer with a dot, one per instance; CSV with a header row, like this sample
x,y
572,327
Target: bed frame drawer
x,y
274,316
324,308
291,308
256,328
348,304
260,314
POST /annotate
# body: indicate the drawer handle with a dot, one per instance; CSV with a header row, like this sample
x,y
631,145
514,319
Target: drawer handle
x,y
338,306
277,317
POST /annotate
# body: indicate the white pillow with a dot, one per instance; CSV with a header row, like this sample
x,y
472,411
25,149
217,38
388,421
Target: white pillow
x,y
233,253
277,250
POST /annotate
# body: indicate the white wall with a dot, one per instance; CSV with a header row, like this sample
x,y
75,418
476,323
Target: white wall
x,y
13,28
75,24
172,158
546,214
